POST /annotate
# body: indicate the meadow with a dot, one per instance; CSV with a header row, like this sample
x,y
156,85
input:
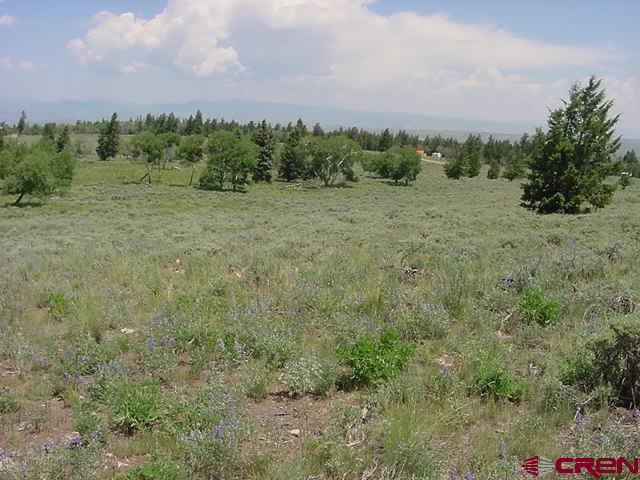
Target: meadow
x,y
363,331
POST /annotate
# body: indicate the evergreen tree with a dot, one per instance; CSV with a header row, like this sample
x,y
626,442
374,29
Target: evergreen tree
x,y
64,139
455,167
494,170
631,164
570,169
290,160
317,130
198,124
109,139
264,140
386,140
471,151
301,128
22,123
515,165
49,132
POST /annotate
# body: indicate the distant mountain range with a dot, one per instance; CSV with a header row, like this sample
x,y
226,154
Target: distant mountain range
x,y
247,110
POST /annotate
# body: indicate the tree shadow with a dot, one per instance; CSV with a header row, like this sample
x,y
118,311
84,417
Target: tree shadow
x,y
25,204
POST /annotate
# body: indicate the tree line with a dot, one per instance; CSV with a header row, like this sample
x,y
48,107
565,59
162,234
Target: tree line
x,y
565,167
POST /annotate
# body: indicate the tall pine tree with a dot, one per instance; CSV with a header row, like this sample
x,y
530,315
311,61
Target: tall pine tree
x,y
568,173
264,140
109,139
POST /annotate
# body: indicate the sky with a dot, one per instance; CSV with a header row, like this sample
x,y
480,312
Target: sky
x,y
501,60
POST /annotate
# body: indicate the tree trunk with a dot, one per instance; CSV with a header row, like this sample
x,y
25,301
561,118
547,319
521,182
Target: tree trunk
x,y
18,199
193,168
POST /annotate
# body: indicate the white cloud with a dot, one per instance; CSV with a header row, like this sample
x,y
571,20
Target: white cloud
x,y
7,20
341,52
364,47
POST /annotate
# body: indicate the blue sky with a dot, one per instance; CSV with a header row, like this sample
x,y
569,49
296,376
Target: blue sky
x,y
503,60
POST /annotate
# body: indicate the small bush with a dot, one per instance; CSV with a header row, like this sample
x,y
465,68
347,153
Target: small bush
x,y
154,471
491,378
308,375
136,406
257,386
58,305
535,307
8,401
89,425
373,360
608,362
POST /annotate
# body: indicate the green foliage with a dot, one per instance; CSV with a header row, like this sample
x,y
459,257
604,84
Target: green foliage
x,y
136,406
537,308
373,360
404,164
631,163
109,139
22,123
38,170
64,139
264,140
293,159
8,401
397,164
571,168
609,361
386,140
515,165
149,146
58,305
88,424
331,156
231,159
154,471
491,378
191,149
87,357
308,375
467,160
494,170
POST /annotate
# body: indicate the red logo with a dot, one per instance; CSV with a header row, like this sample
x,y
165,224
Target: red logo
x,y
537,466
596,467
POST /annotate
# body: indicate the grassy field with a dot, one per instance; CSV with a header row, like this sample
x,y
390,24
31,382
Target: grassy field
x,y
193,334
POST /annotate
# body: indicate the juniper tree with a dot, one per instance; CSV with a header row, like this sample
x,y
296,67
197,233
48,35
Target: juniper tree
x,y
631,164
494,169
570,169
109,139
64,139
22,123
264,140
292,159
386,140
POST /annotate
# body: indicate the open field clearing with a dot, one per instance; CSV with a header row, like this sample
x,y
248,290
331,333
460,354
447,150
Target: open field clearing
x,y
211,334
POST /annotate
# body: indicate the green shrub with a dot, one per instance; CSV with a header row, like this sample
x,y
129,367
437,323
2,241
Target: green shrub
x,y
308,375
8,401
136,406
491,378
58,305
88,424
154,471
537,308
88,357
373,360
608,362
